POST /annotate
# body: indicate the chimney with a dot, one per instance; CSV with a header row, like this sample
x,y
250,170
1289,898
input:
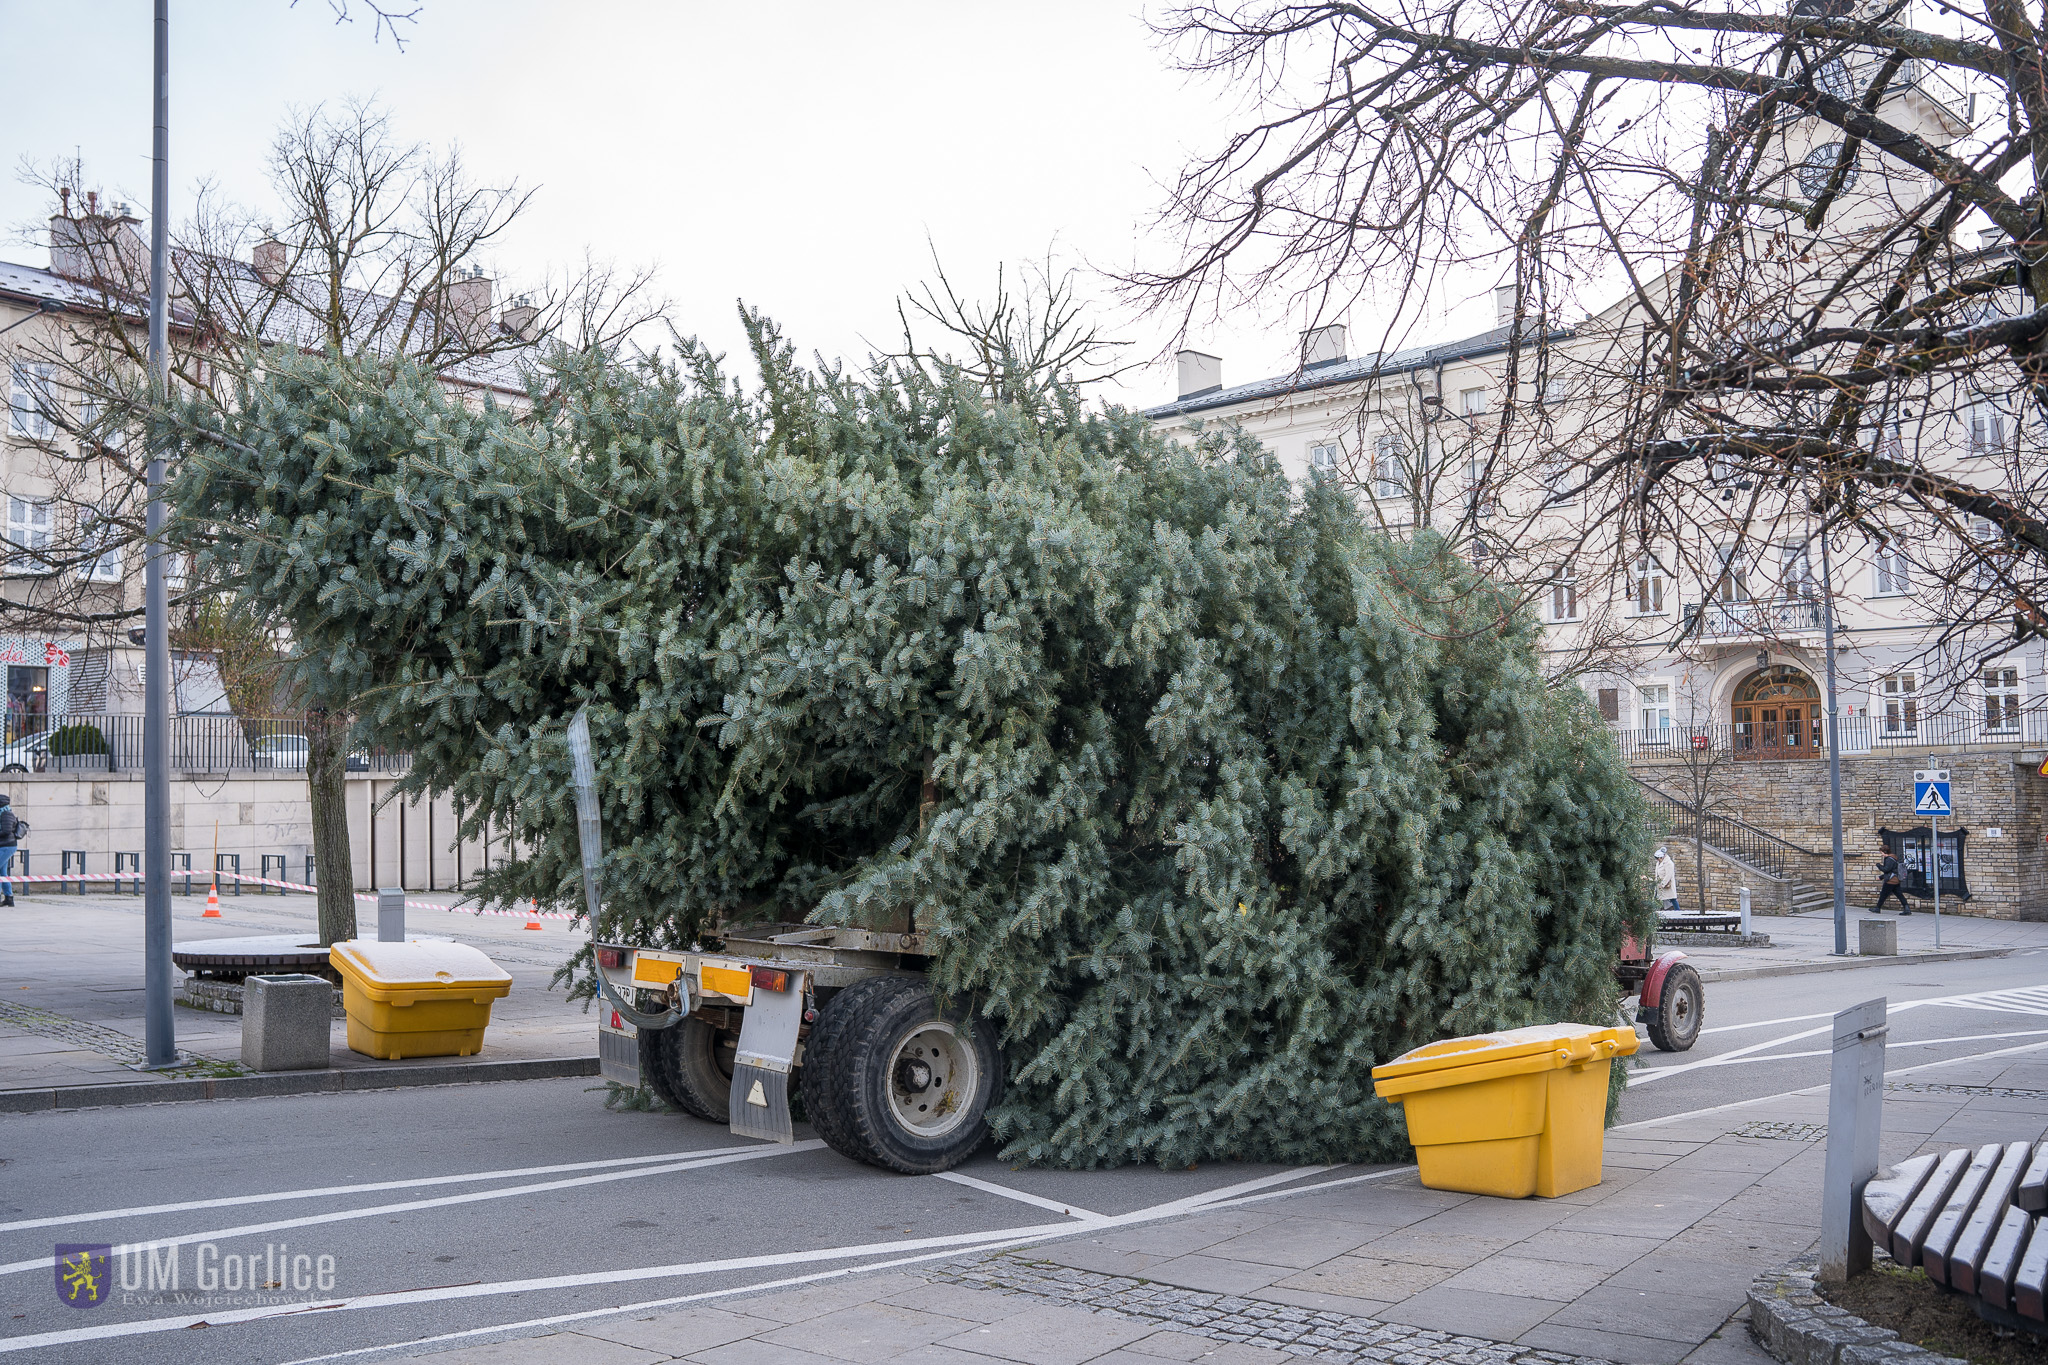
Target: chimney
x,y
99,248
268,259
1503,304
1322,346
469,303
1199,373
521,318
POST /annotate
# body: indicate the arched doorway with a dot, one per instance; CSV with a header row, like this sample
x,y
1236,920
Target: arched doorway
x,y
1777,714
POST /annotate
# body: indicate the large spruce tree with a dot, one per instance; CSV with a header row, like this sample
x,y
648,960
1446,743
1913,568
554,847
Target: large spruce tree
x,y
1208,796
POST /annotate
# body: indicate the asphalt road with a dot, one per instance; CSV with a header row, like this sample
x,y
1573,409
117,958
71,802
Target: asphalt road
x,y
452,1214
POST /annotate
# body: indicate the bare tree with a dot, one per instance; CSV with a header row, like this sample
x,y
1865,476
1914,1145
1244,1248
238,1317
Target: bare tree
x,y
1789,267
372,246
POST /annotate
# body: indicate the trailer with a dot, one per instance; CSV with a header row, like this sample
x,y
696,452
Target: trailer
x,y
841,1020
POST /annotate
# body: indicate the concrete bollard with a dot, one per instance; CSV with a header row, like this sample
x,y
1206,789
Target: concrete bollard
x,y
391,915
1745,912
285,1022
1877,937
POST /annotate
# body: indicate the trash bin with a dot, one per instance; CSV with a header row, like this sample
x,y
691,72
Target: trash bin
x,y
1509,1114
417,999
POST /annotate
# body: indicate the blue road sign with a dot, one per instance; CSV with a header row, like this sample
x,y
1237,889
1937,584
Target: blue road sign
x,y
1931,798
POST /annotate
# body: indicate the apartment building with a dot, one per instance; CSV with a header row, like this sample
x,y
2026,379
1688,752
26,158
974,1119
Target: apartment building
x,y
1700,636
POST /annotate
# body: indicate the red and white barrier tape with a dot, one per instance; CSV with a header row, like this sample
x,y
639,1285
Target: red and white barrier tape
x,y
182,875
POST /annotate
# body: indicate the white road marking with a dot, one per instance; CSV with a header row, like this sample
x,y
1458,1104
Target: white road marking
x,y
516,1173
1658,1073
1819,1089
990,1187
446,1201
1829,1052
400,1298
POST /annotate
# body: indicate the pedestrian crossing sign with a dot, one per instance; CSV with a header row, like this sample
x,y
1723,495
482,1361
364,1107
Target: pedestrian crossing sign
x,y
1930,792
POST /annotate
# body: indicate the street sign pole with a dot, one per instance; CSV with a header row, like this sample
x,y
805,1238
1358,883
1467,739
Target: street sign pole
x,y
1931,798
1827,600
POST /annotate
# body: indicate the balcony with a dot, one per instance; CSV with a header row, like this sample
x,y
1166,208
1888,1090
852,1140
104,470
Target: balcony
x,y
1765,619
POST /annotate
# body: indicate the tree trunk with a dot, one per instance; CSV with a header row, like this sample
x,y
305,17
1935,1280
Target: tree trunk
x,y
327,789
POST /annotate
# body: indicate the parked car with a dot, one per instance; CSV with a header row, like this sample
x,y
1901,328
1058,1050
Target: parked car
x,y
29,754
281,751
292,751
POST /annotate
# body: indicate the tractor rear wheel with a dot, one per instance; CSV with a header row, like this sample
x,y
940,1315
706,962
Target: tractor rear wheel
x,y
1681,1008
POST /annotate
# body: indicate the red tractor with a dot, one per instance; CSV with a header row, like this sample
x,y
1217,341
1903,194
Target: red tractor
x,y
1673,1000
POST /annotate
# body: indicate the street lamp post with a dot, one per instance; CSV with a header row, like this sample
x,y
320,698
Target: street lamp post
x,y
42,306
1827,598
160,1029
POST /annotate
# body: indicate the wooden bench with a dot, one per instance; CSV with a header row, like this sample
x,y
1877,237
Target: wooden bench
x,y
1971,1218
1703,922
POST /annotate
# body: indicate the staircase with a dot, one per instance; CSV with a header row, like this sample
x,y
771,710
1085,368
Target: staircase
x,y
1770,858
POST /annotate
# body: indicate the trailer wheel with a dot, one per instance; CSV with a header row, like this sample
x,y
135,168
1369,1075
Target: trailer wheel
x,y
892,1080
689,1064
1681,1008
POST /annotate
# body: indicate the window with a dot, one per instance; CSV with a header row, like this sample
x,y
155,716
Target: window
x,y
28,528
1989,429
1984,552
1389,470
1795,570
33,400
1646,589
1893,575
1477,500
1471,402
1899,695
1655,700
1562,598
1732,583
2002,700
1322,457
1558,481
99,538
174,572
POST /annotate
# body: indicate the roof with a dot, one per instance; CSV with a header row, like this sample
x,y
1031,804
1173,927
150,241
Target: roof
x,y
1330,373
288,323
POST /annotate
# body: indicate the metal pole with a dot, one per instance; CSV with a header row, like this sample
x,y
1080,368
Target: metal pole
x,y
161,1042
1937,878
1827,597
1855,1115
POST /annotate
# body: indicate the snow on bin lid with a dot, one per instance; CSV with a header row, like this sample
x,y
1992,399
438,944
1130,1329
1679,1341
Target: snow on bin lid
x,y
1575,1040
421,963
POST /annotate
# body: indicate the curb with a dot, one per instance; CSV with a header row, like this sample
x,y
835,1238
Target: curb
x,y
1799,1327
290,1083
1850,963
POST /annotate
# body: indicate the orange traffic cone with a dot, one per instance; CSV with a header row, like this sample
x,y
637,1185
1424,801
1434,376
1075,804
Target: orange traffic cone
x,y
533,915
212,902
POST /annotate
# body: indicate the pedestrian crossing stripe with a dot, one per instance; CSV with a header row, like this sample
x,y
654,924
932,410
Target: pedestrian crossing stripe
x,y
2025,1000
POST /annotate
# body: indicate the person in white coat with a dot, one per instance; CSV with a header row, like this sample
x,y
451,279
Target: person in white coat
x,y
1667,882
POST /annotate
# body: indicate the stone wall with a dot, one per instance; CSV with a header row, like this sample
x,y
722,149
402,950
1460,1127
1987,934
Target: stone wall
x,y
2007,875
251,814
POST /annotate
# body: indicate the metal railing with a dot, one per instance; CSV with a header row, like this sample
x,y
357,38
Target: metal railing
x,y
200,743
1907,730
1766,619
1760,848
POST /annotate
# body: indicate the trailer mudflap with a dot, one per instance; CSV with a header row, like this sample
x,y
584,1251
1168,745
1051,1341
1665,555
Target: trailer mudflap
x,y
759,1104
618,1048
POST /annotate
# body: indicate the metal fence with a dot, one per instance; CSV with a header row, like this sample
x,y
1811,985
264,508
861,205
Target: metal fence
x,y
1906,731
1760,848
208,743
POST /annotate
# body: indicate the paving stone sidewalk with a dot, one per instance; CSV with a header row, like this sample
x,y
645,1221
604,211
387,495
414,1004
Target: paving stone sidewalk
x,y
1650,1266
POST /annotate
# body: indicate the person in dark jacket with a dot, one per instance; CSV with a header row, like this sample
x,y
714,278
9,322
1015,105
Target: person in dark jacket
x,y
10,836
1888,879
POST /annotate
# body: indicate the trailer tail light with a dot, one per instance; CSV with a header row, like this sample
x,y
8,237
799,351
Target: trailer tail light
x,y
617,1022
612,958
769,978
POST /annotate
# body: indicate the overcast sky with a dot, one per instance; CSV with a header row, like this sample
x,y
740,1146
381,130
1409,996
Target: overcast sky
x,y
795,156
